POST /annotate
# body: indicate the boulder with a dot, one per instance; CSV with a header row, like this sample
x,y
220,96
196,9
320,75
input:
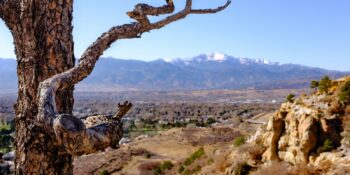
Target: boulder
x,y
9,156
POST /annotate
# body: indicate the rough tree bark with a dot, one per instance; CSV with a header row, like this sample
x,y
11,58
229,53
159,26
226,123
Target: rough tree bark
x,y
47,135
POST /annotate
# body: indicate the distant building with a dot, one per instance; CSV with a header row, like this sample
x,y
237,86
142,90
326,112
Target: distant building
x,y
163,121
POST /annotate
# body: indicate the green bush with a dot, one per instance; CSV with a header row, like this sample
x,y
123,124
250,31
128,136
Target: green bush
x,y
344,95
104,172
210,161
148,155
210,121
325,84
157,171
327,146
193,157
238,141
6,140
181,169
187,172
314,84
197,169
290,98
167,165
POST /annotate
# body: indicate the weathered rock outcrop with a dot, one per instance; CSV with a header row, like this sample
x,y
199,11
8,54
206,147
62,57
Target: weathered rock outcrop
x,y
308,129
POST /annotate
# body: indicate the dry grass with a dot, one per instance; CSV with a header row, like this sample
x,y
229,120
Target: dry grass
x,y
282,168
200,136
302,169
222,161
147,168
255,152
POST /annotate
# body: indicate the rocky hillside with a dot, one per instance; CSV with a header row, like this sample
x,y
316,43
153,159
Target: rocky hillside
x,y
310,134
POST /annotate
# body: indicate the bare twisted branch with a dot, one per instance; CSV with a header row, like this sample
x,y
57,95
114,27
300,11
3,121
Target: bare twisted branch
x,y
70,131
203,11
122,110
77,139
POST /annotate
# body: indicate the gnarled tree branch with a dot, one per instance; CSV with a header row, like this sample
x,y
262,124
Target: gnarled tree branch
x,y
70,131
77,139
102,131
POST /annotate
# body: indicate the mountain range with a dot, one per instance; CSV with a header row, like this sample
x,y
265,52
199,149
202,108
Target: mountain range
x,y
205,71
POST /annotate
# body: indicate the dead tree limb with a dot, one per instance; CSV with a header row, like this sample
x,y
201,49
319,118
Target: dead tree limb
x,y
71,131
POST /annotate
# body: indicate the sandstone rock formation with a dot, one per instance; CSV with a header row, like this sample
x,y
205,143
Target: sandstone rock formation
x,y
309,130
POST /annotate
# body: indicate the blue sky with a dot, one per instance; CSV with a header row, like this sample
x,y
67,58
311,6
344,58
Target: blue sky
x,y
309,32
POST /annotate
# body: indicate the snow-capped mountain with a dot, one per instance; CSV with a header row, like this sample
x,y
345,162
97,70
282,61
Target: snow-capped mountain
x,y
205,71
219,58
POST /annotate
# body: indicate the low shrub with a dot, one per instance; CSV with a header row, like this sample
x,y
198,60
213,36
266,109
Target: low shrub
x,y
197,169
210,161
327,146
187,172
290,98
181,169
325,84
157,171
193,157
314,85
238,141
160,169
104,172
148,155
344,95
167,165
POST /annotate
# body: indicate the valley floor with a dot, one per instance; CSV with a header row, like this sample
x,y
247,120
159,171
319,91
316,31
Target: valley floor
x,y
144,154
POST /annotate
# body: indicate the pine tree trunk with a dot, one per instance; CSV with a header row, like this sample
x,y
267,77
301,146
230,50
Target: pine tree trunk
x,y
44,47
